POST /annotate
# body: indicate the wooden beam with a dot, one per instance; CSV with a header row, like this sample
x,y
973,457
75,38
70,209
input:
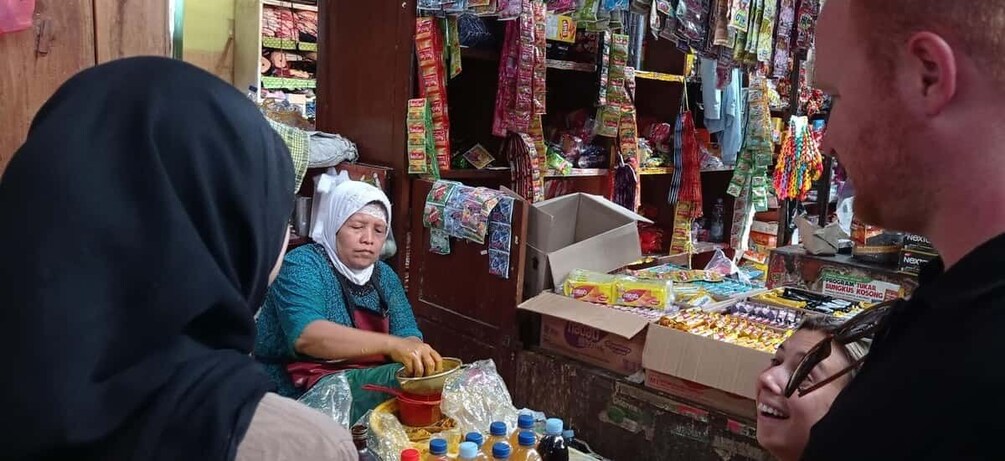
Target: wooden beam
x,y
131,28
38,60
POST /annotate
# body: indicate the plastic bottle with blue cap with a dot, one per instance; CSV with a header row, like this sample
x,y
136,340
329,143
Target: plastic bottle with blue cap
x,y
437,450
500,451
553,446
523,423
479,441
468,451
498,432
525,451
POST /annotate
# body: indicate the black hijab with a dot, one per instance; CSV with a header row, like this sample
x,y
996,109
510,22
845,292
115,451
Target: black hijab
x,y
140,221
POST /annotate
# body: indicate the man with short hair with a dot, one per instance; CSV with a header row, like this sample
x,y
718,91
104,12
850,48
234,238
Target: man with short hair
x,y
918,122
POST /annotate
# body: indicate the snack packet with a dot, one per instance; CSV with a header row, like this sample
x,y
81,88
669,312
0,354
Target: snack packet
x,y
635,292
588,286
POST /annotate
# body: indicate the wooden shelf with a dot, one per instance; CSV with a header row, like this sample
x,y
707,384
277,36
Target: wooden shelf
x,y
656,170
294,5
475,174
282,83
571,66
578,173
481,54
288,44
659,76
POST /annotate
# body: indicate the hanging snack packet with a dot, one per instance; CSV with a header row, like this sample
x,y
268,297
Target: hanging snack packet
x,y
418,109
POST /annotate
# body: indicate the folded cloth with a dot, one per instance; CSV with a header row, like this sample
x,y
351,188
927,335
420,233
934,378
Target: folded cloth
x,y
297,142
327,149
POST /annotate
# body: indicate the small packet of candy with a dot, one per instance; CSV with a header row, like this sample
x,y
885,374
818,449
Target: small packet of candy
x,y
588,286
651,294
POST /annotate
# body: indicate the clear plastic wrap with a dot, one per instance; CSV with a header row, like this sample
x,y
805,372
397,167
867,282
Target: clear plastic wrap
x,y
331,396
387,436
476,397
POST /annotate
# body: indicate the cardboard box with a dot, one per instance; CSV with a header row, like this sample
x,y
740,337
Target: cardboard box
x,y
764,240
716,364
702,395
770,228
911,261
597,335
577,231
918,243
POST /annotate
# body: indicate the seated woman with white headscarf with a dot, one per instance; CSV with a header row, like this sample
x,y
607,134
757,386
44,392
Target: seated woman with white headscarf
x,y
336,308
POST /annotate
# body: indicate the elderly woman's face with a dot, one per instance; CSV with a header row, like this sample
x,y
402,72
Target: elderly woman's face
x,y
360,240
783,424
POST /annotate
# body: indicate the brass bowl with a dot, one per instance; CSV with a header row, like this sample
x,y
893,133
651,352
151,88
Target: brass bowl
x,y
428,385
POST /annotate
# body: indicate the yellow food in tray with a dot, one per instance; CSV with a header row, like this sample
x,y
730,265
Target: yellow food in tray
x,y
593,287
727,328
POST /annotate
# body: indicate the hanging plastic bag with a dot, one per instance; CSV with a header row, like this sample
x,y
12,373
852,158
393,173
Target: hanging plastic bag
x,y
16,15
331,396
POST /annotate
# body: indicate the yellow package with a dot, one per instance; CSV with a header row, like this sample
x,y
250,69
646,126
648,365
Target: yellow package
x,y
651,294
593,287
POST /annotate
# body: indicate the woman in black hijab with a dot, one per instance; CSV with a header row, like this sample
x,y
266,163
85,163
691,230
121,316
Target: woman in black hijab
x,y
141,221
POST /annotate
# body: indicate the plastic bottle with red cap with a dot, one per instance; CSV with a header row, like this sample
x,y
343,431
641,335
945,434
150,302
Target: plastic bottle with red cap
x,y
410,454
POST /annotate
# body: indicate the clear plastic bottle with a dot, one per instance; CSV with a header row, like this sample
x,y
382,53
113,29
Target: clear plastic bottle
x,y
716,232
526,451
523,423
501,451
437,450
479,441
553,447
497,433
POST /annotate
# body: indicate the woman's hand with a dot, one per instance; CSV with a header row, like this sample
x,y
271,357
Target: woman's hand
x,y
418,357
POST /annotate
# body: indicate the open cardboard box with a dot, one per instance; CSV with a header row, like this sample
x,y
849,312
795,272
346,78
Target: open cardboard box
x,y
578,231
597,335
720,365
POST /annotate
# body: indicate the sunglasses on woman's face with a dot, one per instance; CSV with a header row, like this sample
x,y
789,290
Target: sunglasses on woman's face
x,y
861,326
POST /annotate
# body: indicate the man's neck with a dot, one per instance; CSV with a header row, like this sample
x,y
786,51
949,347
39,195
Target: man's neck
x,y
969,222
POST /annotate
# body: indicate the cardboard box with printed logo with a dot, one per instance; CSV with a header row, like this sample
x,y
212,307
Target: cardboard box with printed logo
x,y
597,335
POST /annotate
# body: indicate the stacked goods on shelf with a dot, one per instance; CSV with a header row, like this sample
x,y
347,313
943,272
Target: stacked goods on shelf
x,y
288,62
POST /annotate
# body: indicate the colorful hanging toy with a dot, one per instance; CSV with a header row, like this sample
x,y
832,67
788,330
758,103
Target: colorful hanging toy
x,y
800,163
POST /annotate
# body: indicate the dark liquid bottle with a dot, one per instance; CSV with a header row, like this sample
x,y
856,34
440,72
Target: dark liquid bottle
x,y
552,446
359,436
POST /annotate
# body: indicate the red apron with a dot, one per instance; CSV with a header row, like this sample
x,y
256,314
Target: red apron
x,y
305,374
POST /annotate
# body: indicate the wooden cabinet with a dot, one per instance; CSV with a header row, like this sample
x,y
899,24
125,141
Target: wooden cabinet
x,y
69,36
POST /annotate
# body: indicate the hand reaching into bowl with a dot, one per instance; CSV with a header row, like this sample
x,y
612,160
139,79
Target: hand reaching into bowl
x,y
418,358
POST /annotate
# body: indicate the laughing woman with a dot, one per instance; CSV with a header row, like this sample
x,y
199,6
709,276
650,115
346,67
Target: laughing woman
x,y
336,308
784,423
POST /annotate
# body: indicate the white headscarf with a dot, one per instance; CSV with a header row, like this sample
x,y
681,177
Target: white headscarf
x,y
336,198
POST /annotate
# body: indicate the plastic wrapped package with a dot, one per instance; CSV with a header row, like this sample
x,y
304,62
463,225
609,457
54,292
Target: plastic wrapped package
x,y
387,436
477,396
720,264
331,396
